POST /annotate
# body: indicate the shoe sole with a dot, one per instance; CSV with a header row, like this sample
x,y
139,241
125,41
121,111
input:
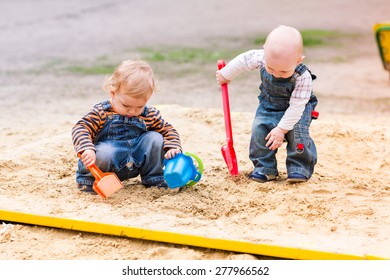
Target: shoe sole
x,y
260,180
296,180
86,189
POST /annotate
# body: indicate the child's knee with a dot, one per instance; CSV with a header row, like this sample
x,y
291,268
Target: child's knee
x,y
105,151
154,140
106,156
155,137
259,132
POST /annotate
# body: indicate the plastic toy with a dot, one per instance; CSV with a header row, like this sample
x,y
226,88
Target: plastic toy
x,y
181,171
382,34
227,149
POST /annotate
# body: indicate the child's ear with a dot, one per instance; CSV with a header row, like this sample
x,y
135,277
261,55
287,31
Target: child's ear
x,y
301,59
112,94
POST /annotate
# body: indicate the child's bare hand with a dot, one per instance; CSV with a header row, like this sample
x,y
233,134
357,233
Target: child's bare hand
x,y
88,157
172,153
275,138
221,79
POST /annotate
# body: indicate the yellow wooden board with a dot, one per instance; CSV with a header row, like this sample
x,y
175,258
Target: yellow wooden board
x,y
382,34
178,238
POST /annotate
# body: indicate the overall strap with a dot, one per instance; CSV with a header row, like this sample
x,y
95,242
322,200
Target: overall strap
x,y
301,68
106,105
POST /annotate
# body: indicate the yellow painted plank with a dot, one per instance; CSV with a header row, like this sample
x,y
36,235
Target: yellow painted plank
x,y
382,34
178,238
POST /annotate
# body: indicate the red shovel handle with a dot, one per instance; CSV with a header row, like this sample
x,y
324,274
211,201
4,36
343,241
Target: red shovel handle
x,y
226,107
221,64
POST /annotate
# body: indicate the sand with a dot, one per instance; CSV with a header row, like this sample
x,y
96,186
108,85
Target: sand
x,y
344,208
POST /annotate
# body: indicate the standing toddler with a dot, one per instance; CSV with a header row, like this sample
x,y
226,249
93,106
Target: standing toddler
x,y
286,102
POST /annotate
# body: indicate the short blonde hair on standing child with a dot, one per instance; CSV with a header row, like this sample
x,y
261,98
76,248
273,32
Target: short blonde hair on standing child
x,y
133,77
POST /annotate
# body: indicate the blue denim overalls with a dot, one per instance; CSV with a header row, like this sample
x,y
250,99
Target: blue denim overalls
x,y
125,147
274,100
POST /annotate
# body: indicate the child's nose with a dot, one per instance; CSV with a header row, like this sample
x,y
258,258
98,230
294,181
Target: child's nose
x,y
274,73
133,111
277,74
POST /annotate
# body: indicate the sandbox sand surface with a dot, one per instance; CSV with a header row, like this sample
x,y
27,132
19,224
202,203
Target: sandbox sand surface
x,y
344,208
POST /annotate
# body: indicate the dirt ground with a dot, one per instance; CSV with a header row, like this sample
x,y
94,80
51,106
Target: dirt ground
x,y
344,208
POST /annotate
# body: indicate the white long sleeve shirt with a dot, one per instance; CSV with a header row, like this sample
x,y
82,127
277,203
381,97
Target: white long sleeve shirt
x,y
254,59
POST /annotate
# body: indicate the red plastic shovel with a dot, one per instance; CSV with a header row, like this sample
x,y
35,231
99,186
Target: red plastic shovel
x,y
227,149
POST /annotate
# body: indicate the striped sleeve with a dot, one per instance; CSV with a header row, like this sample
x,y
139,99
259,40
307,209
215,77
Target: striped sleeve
x,y
155,122
86,129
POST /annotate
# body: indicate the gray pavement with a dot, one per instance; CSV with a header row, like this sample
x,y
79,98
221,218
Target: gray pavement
x,y
35,32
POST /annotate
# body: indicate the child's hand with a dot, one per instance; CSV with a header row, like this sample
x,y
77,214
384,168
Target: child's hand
x,y
172,153
221,79
88,157
275,138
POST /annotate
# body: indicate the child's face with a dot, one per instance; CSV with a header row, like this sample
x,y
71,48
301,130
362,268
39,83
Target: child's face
x,y
281,68
127,105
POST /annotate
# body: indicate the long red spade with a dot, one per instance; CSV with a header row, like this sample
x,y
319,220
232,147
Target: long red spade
x,y
227,149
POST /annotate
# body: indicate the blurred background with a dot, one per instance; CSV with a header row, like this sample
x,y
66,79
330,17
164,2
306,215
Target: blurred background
x,y
59,52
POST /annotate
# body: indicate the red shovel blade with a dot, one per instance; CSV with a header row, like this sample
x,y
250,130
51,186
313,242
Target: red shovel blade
x,y
227,150
229,155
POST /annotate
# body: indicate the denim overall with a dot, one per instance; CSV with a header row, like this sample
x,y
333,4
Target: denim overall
x,y
125,147
274,99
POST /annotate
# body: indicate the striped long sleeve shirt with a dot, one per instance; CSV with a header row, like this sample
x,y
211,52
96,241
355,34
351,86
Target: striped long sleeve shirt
x,y
85,130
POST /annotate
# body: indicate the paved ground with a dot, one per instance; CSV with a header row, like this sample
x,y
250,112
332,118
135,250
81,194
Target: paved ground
x,y
37,32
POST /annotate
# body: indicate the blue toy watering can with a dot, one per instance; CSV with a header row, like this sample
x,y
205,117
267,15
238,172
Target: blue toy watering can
x,y
181,171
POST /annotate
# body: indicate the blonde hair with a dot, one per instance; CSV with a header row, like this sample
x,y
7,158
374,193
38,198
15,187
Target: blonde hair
x,y
133,77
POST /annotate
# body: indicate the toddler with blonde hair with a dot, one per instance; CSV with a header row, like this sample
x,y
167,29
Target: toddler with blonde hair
x,y
123,134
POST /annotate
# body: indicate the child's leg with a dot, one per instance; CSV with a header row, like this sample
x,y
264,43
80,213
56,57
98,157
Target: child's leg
x,y
111,156
148,155
84,177
263,158
301,161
